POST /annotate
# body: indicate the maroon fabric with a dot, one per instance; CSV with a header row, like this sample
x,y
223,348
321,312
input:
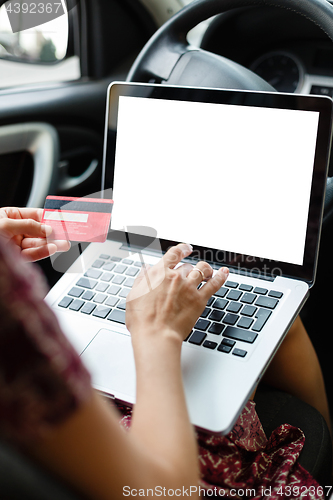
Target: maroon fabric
x,y
245,464
42,379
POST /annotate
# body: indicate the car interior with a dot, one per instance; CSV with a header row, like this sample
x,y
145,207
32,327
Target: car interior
x,y
52,134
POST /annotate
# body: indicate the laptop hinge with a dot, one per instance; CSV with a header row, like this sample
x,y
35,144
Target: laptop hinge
x,y
250,273
234,270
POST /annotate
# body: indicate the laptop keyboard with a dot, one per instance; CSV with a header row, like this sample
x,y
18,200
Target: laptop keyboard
x,y
236,314
102,290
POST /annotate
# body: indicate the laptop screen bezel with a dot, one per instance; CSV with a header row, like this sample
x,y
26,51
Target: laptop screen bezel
x,y
264,268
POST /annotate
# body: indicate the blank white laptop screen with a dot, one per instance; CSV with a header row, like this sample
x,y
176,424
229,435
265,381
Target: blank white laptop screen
x,y
229,177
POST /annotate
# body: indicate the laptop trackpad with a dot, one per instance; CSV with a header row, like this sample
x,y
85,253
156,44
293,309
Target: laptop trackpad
x,y
109,358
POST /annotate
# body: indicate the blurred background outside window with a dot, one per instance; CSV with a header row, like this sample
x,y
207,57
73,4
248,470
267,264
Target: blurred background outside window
x,y
35,55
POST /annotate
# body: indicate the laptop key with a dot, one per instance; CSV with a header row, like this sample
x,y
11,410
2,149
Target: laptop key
x,y
118,316
88,295
99,298
88,308
209,344
93,273
234,307
228,342
118,279
216,315
261,291
75,292
275,294
104,256
128,262
262,316
107,277
230,319
216,328
202,324
231,284
101,312
205,312
101,287
234,295
65,302
268,302
112,301
132,271
120,268
220,303
197,337
98,263
246,288
224,348
248,311
109,266
222,292
239,352
245,322
122,304
248,298
129,282
124,292
239,334
76,305
87,283
114,289
210,301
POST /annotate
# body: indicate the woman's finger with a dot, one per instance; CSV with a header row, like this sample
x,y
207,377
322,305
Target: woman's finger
x,y
25,227
24,213
185,270
201,272
215,283
61,245
39,253
175,254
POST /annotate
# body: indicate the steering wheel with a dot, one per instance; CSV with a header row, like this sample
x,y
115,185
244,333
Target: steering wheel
x,y
168,58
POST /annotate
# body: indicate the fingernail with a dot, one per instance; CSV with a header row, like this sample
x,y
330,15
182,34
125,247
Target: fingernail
x,y
47,230
225,271
189,248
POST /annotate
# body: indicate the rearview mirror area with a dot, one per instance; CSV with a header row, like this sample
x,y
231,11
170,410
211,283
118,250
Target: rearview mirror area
x,y
23,39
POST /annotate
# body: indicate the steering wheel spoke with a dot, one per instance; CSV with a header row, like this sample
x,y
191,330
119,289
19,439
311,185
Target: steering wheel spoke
x,y
157,63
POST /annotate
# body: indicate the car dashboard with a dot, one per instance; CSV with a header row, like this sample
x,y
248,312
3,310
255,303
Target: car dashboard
x,y
284,48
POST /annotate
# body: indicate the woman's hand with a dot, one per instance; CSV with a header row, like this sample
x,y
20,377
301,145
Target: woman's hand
x,y
23,227
166,299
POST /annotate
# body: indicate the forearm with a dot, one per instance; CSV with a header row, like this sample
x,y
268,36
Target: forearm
x,y
160,419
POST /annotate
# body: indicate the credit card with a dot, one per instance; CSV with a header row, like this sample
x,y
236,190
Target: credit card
x,y
78,219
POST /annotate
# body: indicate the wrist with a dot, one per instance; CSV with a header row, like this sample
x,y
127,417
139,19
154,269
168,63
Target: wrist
x,y
157,336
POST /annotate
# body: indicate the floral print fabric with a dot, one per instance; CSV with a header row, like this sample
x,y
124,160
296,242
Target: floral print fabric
x,y
42,379
245,464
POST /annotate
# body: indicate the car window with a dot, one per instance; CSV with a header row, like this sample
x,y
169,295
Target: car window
x,y
162,10
35,54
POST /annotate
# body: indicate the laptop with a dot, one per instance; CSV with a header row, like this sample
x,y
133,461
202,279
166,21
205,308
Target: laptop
x,y
240,175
